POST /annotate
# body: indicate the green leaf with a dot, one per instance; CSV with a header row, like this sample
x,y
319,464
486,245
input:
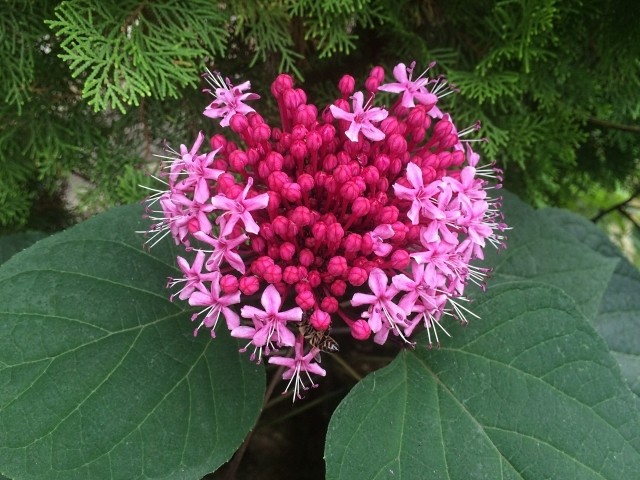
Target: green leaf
x,y
618,319
538,249
530,391
100,374
16,242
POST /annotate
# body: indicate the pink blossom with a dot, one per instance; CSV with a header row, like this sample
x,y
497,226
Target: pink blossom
x,y
410,89
270,324
300,364
238,209
223,249
420,195
382,307
361,119
193,277
229,99
215,305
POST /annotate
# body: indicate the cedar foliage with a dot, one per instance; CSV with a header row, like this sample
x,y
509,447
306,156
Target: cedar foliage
x,y
93,87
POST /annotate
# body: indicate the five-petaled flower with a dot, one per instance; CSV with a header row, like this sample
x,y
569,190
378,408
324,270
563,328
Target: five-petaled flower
x,y
361,119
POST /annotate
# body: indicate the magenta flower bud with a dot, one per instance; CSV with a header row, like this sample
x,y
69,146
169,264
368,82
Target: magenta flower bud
x,y
291,192
370,174
357,276
382,162
360,207
274,202
287,251
388,214
397,144
306,115
395,167
266,231
337,266
290,275
378,73
273,251
274,161
360,330
238,160
346,85
389,125
320,178
342,173
338,287
301,216
329,162
335,232
280,226
261,133
281,83
383,184
413,233
249,285
349,191
225,181
399,259
252,156
234,191
328,133
298,132
320,320
329,304
260,264
305,300
314,278
218,142
273,274
319,231
399,232
306,257
291,99
263,170
306,182
372,84
258,244
313,141
330,184
239,123
298,150
352,243
416,117
229,284
302,287
277,180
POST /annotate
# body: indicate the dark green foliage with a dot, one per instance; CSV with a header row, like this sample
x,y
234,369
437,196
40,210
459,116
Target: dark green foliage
x,y
94,87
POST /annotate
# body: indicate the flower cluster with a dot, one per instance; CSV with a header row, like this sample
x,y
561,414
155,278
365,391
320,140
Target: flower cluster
x,y
355,215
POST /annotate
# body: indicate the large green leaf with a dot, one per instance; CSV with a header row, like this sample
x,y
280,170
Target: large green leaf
x,y
618,319
528,392
100,376
540,250
16,242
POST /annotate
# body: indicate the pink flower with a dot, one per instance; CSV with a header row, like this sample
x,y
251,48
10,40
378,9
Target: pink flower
x,y
420,195
223,249
238,209
299,364
228,100
361,119
382,308
193,276
215,305
410,89
270,324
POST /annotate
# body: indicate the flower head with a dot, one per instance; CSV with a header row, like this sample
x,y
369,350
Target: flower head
x,y
349,215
